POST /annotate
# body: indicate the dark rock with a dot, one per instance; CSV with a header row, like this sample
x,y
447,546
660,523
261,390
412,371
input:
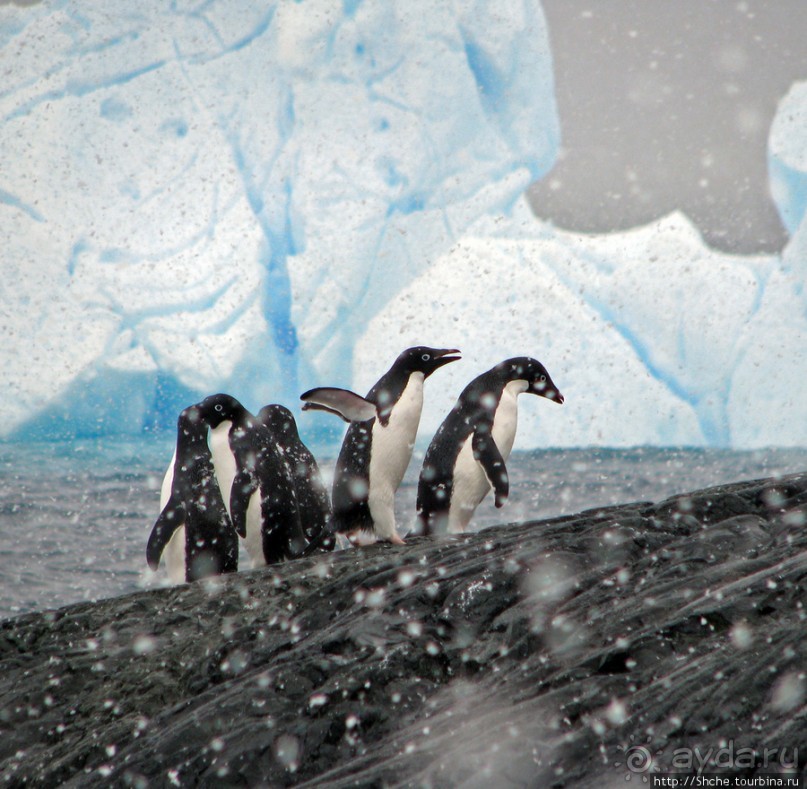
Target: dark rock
x,y
577,651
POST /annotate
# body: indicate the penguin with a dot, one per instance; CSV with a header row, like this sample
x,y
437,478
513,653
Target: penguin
x,y
313,500
468,453
378,444
264,504
193,516
253,482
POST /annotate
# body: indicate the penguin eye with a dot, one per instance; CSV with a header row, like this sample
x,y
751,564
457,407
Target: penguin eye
x,y
542,378
219,407
426,357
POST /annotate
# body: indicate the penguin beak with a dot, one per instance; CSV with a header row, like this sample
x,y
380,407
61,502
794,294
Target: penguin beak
x,y
444,356
545,390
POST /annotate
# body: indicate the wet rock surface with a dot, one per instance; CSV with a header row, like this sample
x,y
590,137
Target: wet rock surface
x,y
577,651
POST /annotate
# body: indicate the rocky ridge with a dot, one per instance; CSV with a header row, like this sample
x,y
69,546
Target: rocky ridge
x,y
576,651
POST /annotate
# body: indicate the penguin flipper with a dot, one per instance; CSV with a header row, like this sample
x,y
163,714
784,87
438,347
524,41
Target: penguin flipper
x,y
296,542
324,540
487,454
171,518
342,402
244,485
317,407
433,499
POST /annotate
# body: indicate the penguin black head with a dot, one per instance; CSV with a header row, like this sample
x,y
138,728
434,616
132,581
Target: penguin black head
x,y
216,409
279,420
422,359
525,368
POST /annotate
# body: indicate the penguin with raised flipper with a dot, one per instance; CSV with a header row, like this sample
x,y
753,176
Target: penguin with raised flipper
x,y
193,517
378,444
313,500
467,455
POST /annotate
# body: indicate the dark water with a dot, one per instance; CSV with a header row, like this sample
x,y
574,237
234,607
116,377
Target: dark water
x,y
74,518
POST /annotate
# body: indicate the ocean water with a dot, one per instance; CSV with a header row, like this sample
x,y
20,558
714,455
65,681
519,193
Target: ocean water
x,y
75,517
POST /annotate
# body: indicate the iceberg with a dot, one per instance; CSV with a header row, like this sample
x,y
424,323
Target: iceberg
x,y
653,337
263,198
787,157
212,197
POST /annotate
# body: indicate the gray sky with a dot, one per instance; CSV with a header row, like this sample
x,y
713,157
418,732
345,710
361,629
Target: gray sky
x,y
667,104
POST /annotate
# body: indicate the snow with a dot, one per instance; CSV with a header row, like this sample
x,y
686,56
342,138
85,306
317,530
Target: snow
x,y
195,200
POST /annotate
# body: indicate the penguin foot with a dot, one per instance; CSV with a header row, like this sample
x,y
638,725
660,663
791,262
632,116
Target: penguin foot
x,y
342,543
361,537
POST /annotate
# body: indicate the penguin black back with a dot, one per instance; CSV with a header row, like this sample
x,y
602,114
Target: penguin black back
x,y
195,501
313,501
271,524
464,452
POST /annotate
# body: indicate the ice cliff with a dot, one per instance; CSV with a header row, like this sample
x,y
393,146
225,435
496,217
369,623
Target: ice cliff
x,y
219,196
257,198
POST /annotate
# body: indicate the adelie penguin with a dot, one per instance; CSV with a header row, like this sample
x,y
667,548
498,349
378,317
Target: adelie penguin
x,y
194,528
378,445
263,499
467,455
313,501
247,489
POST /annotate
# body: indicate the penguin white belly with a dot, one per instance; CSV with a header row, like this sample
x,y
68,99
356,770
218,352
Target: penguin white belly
x,y
223,460
174,552
225,468
168,481
254,538
175,556
470,482
470,487
390,453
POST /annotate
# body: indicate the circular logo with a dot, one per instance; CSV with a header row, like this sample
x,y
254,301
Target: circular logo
x,y
638,759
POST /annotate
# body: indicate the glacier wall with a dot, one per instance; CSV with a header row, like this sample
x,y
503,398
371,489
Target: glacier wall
x,y
652,336
218,197
787,159
259,198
